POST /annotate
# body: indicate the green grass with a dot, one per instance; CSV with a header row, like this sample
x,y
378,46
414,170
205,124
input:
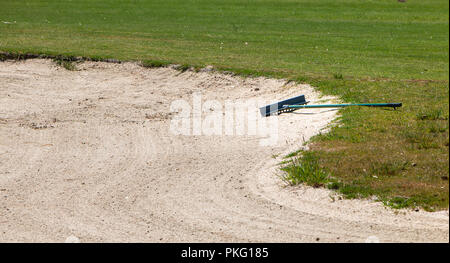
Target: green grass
x,y
379,38
154,63
292,154
305,170
361,51
69,65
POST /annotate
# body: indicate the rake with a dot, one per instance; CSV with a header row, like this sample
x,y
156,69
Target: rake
x,y
300,102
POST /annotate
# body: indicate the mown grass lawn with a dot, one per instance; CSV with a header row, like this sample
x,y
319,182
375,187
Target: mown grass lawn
x,y
362,51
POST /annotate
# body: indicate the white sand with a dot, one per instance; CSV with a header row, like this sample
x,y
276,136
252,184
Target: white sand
x,y
88,154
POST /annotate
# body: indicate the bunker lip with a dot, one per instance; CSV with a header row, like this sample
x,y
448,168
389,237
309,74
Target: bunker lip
x,y
89,154
28,55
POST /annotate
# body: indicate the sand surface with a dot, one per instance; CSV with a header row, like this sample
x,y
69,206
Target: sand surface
x,y
89,156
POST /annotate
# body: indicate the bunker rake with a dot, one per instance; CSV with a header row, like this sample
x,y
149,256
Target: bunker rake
x,y
300,102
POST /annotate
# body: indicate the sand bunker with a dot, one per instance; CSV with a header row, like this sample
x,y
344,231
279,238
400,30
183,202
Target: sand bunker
x,y
90,155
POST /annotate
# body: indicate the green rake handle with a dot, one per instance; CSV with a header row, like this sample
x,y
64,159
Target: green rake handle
x,y
392,105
